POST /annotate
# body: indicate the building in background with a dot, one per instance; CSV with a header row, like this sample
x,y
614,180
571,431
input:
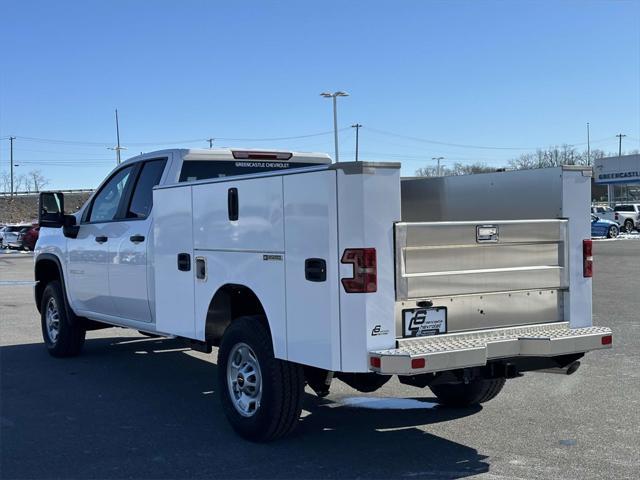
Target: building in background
x,y
616,179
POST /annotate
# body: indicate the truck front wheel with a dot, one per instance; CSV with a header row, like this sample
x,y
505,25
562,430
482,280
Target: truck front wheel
x,y
479,390
62,337
261,395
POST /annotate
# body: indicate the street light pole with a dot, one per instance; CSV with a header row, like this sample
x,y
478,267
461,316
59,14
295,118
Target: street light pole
x,y
335,96
438,160
357,127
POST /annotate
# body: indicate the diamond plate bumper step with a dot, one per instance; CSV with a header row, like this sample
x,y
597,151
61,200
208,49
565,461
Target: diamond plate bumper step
x,y
472,349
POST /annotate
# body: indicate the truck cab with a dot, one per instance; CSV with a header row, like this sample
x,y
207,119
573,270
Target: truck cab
x,y
105,261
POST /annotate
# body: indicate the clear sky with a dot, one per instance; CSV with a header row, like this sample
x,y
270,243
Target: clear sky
x,y
515,75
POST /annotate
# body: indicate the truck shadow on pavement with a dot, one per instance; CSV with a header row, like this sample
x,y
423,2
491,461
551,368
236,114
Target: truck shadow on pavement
x,y
143,408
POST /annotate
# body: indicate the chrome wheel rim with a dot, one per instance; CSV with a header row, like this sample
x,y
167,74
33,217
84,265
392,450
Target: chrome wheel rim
x,y
614,232
52,320
244,380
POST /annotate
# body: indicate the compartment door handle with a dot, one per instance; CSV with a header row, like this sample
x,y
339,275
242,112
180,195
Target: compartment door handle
x,y
184,262
232,204
315,269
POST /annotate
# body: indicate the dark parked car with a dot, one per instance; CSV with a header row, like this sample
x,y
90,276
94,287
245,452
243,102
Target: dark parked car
x,y
30,237
604,228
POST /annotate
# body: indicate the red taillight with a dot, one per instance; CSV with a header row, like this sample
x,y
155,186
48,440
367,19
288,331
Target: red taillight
x,y
417,363
607,340
617,216
587,258
375,362
365,270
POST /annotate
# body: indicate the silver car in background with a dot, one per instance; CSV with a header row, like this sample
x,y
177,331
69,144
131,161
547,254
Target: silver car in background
x,y
12,234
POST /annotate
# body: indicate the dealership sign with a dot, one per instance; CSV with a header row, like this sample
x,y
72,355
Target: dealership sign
x,y
625,169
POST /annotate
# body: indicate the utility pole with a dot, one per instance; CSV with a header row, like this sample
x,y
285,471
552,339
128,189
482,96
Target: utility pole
x,y
118,137
117,148
588,146
11,139
357,127
438,160
620,135
210,140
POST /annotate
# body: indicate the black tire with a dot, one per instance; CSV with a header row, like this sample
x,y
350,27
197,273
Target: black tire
x,y
476,391
613,232
282,383
70,335
628,225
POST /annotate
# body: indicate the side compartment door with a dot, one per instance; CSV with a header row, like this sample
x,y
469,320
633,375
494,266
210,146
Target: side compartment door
x,y
312,269
173,261
128,250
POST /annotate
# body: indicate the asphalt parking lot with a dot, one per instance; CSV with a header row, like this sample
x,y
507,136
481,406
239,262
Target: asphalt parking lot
x,y
134,407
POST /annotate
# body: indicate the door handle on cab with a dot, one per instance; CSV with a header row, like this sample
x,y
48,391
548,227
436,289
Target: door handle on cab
x,y
136,238
102,238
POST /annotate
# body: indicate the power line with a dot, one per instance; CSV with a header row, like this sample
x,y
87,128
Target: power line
x,y
76,161
174,142
61,152
69,164
461,145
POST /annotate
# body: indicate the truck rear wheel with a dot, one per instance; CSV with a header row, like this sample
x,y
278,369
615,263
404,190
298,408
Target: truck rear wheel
x,y
261,395
62,337
477,391
628,225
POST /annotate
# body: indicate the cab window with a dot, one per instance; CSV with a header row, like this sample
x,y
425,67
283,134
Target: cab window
x,y
204,169
105,205
142,198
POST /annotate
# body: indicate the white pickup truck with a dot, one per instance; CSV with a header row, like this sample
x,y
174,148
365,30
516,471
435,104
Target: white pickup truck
x,y
302,271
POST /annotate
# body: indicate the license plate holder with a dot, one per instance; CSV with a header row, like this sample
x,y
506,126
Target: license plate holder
x,y
422,322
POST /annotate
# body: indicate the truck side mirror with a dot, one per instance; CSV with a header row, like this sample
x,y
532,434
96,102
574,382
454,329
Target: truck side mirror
x,y
51,209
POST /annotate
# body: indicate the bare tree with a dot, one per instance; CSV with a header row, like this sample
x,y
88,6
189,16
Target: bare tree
x,y
430,171
463,169
542,158
457,169
5,181
37,180
20,183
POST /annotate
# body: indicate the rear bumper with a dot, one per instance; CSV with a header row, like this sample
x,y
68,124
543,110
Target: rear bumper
x,y
473,349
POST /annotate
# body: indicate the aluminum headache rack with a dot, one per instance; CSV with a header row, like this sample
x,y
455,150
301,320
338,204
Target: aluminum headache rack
x,y
461,350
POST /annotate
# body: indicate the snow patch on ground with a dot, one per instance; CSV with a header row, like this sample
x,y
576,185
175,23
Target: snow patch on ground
x,y
7,251
622,236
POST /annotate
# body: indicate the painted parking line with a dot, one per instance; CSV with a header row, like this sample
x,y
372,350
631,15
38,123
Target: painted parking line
x,y
13,283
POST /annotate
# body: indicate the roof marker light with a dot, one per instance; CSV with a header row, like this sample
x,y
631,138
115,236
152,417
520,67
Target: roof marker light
x,y
251,155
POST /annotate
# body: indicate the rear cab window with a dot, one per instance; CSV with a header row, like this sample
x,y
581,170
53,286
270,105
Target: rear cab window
x,y
204,169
